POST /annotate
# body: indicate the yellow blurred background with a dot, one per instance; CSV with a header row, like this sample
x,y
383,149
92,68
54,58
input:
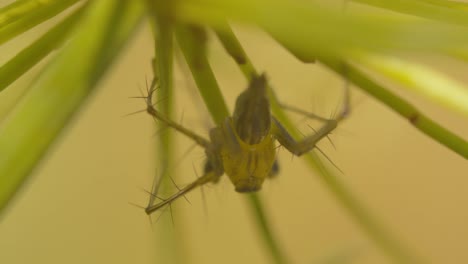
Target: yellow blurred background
x,y
76,208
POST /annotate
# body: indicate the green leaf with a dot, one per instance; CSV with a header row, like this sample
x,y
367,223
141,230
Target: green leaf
x,y
424,9
193,46
23,15
314,29
421,79
31,55
38,119
165,234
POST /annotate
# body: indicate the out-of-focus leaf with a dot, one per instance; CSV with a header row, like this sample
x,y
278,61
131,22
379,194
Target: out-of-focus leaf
x,y
31,55
427,82
23,15
38,119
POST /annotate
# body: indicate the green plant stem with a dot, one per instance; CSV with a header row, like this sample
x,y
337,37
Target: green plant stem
x,y
261,217
23,15
36,51
192,43
162,28
402,107
362,216
38,119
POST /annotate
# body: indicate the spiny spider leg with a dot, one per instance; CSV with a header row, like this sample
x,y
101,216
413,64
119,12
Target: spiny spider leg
x,y
307,144
157,115
207,177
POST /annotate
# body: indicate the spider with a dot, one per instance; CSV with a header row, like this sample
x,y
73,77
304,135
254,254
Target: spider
x,y
243,146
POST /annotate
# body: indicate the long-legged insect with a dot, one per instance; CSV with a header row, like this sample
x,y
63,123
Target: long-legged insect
x,y
243,146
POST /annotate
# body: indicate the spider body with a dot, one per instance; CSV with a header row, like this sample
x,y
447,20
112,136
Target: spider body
x,y
244,143
243,146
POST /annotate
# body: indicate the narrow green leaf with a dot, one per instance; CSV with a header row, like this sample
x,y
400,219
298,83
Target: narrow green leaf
x,y
23,15
18,9
422,80
314,29
192,43
261,218
165,233
34,53
38,119
423,9
449,3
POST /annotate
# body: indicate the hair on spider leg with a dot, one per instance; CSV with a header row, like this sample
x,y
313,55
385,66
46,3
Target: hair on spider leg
x,y
331,141
150,89
134,113
163,210
143,110
161,129
323,153
136,205
153,195
166,201
346,100
172,215
173,182
146,100
275,167
329,160
302,112
278,148
149,215
182,115
179,160
202,188
161,214
199,156
203,197
154,83
292,156
141,207
154,188
327,136
142,95
185,154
